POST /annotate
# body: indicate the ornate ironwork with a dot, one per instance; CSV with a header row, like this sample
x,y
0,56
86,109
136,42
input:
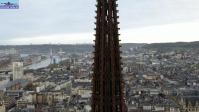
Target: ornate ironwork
x,y
107,81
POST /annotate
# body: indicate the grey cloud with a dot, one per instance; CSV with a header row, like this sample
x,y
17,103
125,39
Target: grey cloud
x,y
47,17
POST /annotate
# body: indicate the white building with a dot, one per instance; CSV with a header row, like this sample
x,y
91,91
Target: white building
x,y
87,108
17,70
2,107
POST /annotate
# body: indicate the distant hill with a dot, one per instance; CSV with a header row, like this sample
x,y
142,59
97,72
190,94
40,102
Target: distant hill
x,y
29,49
172,46
80,48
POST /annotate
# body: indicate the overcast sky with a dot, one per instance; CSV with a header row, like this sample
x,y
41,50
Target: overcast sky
x,y
72,21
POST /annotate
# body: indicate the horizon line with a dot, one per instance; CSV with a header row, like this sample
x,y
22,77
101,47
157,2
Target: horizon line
x,y
93,43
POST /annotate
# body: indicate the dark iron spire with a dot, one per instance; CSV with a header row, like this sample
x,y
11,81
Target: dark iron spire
x,y
107,89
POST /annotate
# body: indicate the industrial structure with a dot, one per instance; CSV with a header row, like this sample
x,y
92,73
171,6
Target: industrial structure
x,y
107,92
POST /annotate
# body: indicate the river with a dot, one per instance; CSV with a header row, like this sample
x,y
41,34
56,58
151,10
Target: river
x,y
41,64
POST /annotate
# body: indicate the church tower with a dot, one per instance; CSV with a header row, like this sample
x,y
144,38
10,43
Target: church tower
x,y
107,91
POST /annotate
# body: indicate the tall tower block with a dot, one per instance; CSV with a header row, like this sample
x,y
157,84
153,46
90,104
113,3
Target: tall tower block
x,y
107,91
18,71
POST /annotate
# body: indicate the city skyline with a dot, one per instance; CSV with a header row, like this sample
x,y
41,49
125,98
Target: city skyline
x,y
42,22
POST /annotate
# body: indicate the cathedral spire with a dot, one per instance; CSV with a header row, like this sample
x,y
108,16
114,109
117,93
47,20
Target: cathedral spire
x,y
107,90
